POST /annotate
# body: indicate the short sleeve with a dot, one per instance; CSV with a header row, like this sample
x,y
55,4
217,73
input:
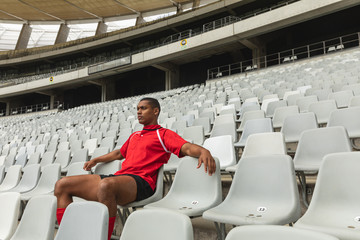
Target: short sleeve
x,y
124,147
173,142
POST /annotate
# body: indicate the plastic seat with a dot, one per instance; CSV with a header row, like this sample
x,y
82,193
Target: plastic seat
x,y
28,180
322,94
267,232
91,144
179,126
266,102
322,110
38,219
9,209
46,184
9,161
258,195
274,105
342,98
80,155
108,142
195,134
33,159
47,159
76,169
313,145
253,126
355,101
63,158
291,99
157,224
222,148
224,125
84,221
193,191
259,144
12,178
249,116
2,173
21,160
107,168
294,125
334,208
347,117
304,102
281,113
205,122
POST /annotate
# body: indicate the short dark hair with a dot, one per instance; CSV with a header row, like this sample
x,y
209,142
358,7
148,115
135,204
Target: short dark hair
x,y
153,102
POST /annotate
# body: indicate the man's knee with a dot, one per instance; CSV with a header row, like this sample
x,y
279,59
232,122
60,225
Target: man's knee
x,y
61,185
106,188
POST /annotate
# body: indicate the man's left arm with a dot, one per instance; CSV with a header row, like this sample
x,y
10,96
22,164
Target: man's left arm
x,y
204,156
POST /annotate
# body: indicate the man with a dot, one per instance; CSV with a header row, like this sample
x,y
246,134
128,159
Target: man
x,y
145,152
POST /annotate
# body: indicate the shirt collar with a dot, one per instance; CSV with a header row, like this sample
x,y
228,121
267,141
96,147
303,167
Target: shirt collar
x,y
151,127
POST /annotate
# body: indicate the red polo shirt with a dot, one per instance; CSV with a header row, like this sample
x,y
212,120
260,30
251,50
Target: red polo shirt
x,y
145,152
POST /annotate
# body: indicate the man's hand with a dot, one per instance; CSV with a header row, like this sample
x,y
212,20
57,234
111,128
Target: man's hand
x,y
204,156
88,165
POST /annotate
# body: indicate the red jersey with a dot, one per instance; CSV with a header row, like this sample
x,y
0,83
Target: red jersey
x,y
147,150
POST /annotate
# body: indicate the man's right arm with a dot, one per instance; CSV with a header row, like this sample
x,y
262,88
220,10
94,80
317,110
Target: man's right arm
x,y
114,155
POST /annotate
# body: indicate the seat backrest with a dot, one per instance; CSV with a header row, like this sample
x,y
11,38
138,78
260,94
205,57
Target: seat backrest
x,y
12,178
79,216
203,121
21,160
194,133
2,173
63,146
157,224
274,232
304,102
322,110
342,98
76,169
336,186
9,209
314,144
80,155
281,113
268,182
43,209
222,147
50,174
294,125
346,117
29,179
91,144
33,159
264,143
108,142
179,126
63,158
260,125
47,158
249,116
108,168
100,151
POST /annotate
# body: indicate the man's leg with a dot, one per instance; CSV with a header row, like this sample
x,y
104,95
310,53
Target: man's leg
x,y
116,190
84,186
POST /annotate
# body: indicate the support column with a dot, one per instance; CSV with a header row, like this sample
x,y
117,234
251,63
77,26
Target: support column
x,y
172,74
140,20
7,113
24,37
63,33
52,100
102,84
258,50
101,28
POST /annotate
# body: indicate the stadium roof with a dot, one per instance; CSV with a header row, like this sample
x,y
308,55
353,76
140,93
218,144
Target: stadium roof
x,y
69,10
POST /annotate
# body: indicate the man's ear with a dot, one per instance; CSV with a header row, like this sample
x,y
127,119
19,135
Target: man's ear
x,y
156,111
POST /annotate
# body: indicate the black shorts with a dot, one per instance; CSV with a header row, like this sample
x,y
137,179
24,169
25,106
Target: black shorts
x,y
143,188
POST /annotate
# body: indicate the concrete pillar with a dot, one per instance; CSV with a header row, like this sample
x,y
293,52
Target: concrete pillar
x,y
140,20
63,33
103,92
101,28
24,37
7,113
258,50
172,74
52,100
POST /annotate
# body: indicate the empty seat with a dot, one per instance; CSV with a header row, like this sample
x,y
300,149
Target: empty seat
x,y
276,233
157,224
274,105
334,208
222,148
249,116
342,98
304,102
28,180
348,118
281,113
80,155
9,209
322,110
294,125
85,220
12,178
193,190
253,126
38,219
258,195
195,134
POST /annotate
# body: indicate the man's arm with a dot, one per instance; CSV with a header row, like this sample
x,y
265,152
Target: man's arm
x,y
114,155
204,156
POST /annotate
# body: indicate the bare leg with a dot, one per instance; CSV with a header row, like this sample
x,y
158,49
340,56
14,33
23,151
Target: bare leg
x,y
116,190
84,186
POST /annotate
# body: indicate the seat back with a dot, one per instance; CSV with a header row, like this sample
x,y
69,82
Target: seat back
x,y
63,158
50,175
281,113
194,133
203,121
322,110
80,155
265,184
107,168
346,117
9,209
260,125
314,144
76,169
43,209
85,220
294,125
275,233
12,178
2,173
304,102
47,158
222,147
264,144
342,98
108,142
157,224
29,179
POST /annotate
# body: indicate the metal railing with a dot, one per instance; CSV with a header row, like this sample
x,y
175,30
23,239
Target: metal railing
x,y
291,55
33,108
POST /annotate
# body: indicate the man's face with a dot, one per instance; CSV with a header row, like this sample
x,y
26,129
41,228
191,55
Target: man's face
x,y
147,115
